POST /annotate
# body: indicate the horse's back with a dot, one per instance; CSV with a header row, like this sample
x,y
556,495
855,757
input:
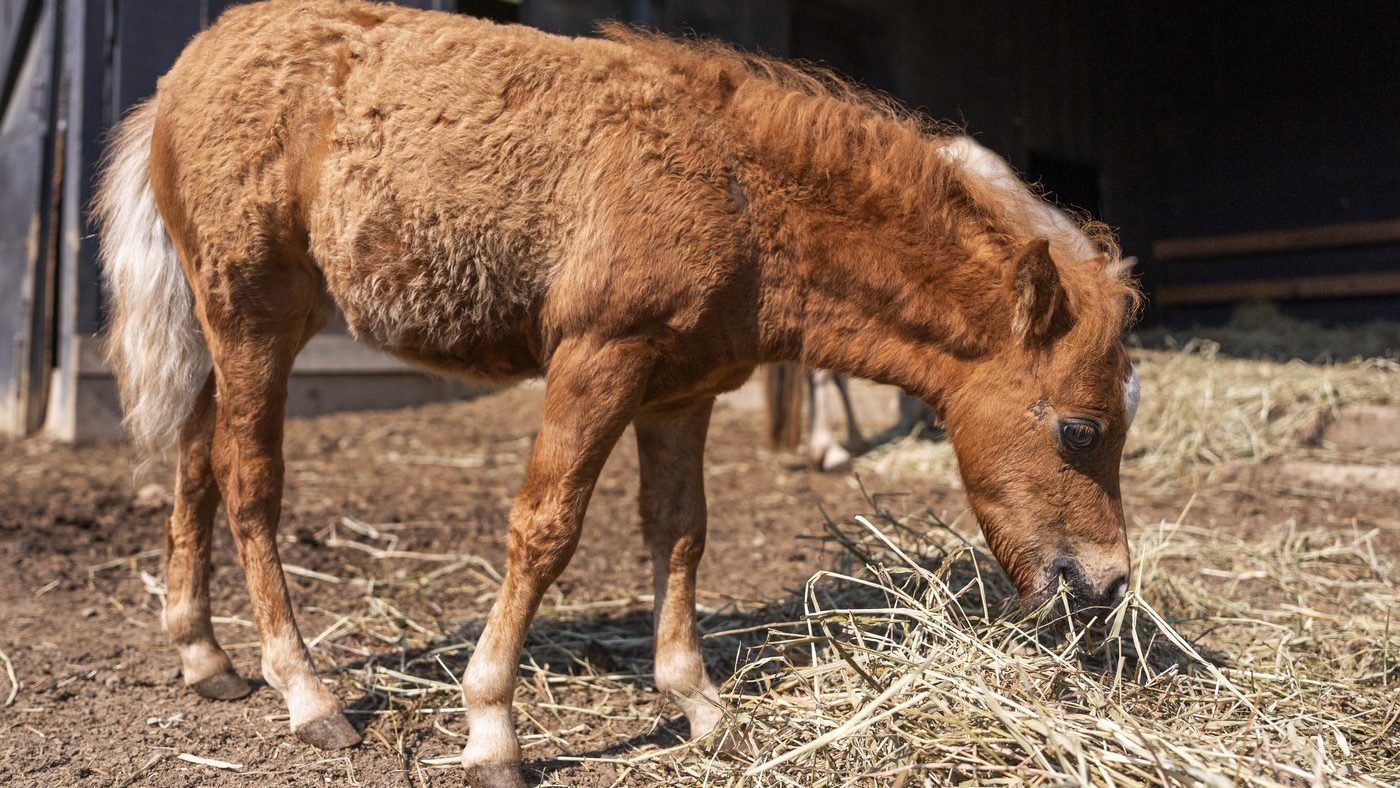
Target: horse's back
x,y
421,161
444,174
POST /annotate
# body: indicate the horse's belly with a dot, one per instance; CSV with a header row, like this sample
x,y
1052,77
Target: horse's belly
x,y
501,359
451,272
454,304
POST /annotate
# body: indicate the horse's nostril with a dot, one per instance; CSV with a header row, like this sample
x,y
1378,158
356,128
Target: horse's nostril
x,y
1065,569
1116,591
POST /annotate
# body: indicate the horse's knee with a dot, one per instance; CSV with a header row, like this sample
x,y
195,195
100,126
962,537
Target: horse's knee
x,y
542,540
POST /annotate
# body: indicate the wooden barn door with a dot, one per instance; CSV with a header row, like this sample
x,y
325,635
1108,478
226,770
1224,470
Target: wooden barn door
x,y
28,208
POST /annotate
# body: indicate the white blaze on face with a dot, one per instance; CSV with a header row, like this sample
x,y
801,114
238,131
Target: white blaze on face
x,y
1132,393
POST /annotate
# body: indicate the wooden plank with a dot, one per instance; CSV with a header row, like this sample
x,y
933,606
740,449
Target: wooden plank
x,y
77,310
333,372
1382,283
19,20
1302,239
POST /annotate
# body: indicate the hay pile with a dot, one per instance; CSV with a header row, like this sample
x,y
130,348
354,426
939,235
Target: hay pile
x,y
1260,332
1201,408
1255,663
1273,664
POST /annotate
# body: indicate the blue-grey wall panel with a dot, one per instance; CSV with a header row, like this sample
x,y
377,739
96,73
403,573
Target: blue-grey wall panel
x,y
25,225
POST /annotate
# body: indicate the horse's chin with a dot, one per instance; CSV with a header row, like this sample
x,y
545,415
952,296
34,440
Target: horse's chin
x,y
1082,613
1036,600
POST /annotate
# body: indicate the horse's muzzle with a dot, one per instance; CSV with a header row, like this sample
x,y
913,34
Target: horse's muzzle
x,y
1088,600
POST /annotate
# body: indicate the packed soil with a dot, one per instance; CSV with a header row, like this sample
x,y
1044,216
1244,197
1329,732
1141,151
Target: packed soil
x,y
374,502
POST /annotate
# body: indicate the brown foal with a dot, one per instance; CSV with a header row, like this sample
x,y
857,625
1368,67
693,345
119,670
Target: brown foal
x,y
638,220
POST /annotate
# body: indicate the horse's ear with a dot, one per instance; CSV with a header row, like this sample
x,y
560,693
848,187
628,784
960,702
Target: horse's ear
x,y
1036,291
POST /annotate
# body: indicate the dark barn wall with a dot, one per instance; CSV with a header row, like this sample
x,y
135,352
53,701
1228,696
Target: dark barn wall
x,y
1271,119
1167,121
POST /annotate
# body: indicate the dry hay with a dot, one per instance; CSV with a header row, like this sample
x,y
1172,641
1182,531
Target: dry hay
x,y
1275,666
1201,408
1265,663
1260,331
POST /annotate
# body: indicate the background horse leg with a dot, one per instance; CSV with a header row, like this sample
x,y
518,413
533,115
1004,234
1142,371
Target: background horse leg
x,y
783,385
253,352
913,413
592,391
188,534
823,450
671,450
855,442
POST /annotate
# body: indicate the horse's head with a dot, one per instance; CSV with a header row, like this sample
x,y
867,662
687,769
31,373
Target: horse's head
x,y
1039,431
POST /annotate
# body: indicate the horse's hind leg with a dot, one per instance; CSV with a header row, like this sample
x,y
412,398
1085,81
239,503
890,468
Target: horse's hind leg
x,y
188,537
188,533
256,329
671,450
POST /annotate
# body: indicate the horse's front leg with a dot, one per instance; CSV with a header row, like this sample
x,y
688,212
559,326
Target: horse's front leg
x,y
671,449
592,390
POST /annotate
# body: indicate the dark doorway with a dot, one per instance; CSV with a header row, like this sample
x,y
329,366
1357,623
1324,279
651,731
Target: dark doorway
x,y
1071,184
495,10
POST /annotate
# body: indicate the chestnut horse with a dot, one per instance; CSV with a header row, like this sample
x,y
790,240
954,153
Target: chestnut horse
x,y
639,221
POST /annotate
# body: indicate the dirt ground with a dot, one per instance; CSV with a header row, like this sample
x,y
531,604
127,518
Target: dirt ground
x,y
99,701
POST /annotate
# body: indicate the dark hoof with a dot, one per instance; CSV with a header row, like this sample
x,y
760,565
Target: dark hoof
x,y
495,775
223,686
329,733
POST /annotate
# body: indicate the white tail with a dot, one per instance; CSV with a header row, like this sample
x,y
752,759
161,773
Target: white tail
x,y
154,342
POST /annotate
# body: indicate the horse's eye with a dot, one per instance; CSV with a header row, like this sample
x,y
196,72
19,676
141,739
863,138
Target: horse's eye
x,y
1079,434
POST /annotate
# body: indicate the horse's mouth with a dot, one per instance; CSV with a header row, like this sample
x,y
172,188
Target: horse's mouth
x,y
1079,597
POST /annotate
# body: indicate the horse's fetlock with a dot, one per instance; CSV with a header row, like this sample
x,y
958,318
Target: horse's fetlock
x,y
201,659
491,736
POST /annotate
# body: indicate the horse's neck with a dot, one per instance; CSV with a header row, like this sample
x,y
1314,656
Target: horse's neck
x,y
858,286
874,312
